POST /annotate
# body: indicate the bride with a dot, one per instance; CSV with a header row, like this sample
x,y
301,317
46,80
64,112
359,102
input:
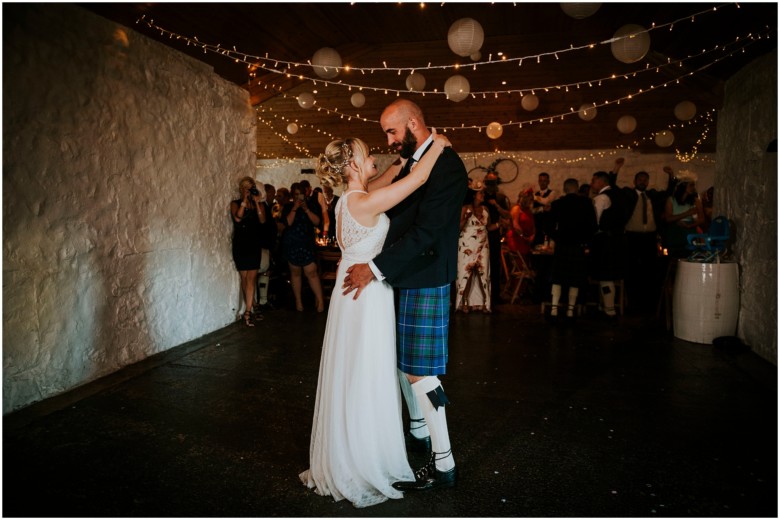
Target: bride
x,y
357,448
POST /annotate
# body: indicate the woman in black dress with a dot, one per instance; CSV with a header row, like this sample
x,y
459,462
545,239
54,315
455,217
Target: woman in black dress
x,y
299,245
248,214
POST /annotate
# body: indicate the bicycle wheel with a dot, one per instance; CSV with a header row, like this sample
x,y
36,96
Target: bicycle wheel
x,y
507,170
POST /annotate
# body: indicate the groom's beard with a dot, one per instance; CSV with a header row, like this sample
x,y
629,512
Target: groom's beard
x,y
408,145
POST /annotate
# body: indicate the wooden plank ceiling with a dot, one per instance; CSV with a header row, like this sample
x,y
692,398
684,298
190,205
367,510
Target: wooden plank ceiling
x,y
693,56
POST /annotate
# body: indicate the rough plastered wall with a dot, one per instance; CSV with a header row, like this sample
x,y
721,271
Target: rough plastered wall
x,y
561,165
747,170
119,159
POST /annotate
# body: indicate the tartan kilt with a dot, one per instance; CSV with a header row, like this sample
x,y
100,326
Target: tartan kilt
x,y
423,326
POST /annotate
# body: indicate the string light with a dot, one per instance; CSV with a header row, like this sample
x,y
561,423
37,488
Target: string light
x,y
502,59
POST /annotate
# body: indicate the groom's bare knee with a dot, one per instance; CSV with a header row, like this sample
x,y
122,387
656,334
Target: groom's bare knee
x,y
413,379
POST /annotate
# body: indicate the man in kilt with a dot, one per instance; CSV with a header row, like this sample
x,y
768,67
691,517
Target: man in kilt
x,y
419,259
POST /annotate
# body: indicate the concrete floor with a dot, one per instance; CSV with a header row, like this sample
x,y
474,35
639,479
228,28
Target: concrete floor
x,y
594,419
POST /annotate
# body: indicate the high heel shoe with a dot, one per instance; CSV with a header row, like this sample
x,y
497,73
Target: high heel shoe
x,y
248,319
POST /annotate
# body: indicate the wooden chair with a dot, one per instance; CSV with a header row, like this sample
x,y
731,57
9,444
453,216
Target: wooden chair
x,y
328,262
516,270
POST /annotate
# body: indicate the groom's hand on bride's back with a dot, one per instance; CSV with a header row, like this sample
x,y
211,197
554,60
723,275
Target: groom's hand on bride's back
x,y
358,276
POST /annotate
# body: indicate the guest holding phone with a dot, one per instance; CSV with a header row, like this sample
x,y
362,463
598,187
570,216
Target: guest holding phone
x,y
248,215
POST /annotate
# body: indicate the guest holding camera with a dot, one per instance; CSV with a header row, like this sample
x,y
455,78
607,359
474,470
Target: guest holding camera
x,y
248,214
299,245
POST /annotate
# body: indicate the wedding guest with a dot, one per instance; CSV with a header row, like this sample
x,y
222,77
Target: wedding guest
x,y
248,215
300,246
473,281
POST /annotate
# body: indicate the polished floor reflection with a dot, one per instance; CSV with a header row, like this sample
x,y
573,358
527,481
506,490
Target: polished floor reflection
x,y
590,419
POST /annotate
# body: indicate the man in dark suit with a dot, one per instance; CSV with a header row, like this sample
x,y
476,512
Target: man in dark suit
x,y
420,258
573,224
645,207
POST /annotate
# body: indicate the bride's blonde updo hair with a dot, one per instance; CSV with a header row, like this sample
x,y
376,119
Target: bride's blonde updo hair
x,y
331,167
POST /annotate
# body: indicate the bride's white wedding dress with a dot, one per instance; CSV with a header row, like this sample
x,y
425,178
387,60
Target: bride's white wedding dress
x,y
357,446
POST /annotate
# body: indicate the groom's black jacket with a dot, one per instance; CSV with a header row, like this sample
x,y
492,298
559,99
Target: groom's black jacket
x,y
421,248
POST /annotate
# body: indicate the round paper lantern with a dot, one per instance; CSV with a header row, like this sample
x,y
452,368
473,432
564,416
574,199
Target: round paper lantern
x,y
529,102
626,124
494,130
292,128
358,100
587,111
685,110
326,62
415,81
631,43
476,56
664,138
465,37
580,10
457,88
306,99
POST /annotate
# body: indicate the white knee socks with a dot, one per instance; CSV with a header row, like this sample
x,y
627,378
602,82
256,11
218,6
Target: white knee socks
x,y
417,425
573,292
437,422
556,297
608,297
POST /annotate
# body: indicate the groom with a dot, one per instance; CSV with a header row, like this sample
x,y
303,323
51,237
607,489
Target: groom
x,y
419,258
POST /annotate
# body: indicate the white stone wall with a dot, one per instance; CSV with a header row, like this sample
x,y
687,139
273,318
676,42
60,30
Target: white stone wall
x,y
561,165
747,125
119,159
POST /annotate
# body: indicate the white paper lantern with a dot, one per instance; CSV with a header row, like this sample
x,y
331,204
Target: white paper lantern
x,y
494,130
529,102
626,124
292,128
457,88
580,10
358,100
415,82
631,43
305,99
476,56
664,138
465,37
326,62
587,111
685,110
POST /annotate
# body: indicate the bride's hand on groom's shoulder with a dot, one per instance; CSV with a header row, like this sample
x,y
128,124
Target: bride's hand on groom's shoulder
x,y
441,139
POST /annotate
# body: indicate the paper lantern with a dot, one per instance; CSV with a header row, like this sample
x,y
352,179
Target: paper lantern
x,y
465,37
415,81
457,88
631,43
685,110
529,102
580,10
292,128
664,138
306,99
587,111
494,130
626,124
326,62
476,56
358,100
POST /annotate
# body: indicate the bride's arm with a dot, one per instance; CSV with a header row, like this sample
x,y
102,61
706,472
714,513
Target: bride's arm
x,y
382,199
380,181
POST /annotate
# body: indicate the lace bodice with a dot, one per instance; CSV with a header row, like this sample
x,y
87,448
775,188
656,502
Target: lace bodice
x,y
357,242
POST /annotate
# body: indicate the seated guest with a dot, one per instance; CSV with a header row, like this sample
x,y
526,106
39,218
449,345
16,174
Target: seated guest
x,y
522,232
573,223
